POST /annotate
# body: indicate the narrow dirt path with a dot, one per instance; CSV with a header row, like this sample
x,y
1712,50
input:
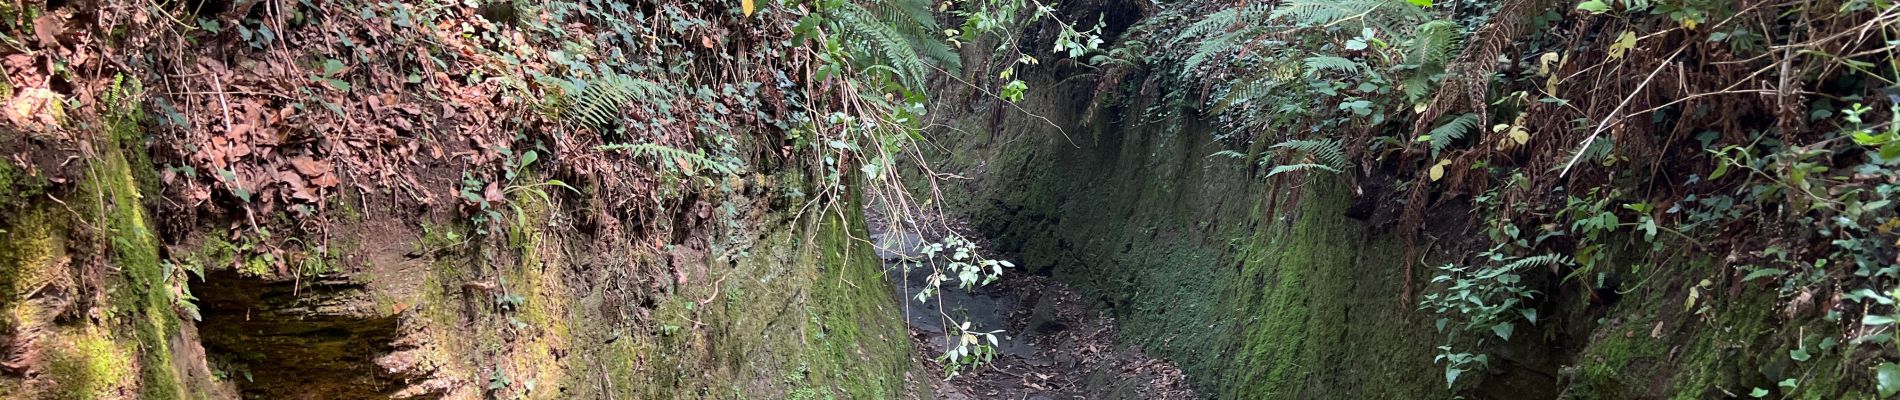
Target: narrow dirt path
x,y
1053,346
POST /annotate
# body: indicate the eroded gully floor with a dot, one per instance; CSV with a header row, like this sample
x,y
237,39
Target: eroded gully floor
x,y
1053,346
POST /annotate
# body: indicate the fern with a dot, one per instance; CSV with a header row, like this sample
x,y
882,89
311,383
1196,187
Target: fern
x,y
1329,153
1451,131
1260,86
1223,20
598,102
1318,64
1545,260
1208,48
897,34
1229,154
1300,167
1435,43
1220,20
1325,12
668,157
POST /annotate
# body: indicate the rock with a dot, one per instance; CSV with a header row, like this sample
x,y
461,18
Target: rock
x,y
1067,361
1042,318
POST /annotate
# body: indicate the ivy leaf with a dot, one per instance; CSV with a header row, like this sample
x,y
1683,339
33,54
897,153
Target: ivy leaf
x,y
528,157
1451,376
1799,354
1355,44
1503,330
1721,168
1623,44
1758,393
1889,376
1013,91
1594,6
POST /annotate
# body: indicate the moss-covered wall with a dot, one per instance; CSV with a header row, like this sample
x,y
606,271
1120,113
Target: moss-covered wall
x,y
803,312
89,306
765,299
769,304
1262,287
1257,288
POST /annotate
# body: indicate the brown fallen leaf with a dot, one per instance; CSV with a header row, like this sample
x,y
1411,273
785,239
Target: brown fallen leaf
x,y
48,27
493,193
308,166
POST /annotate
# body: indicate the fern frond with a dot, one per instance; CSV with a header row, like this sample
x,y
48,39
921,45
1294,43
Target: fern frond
x,y
1322,12
1219,20
882,43
1451,131
1545,260
1228,154
598,102
1318,64
1255,87
1329,152
1223,20
1435,43
1300,167
917,24
669,158
1385,15
1208,48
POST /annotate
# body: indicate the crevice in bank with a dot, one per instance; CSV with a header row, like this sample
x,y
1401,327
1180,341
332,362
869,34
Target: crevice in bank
x,y
308,338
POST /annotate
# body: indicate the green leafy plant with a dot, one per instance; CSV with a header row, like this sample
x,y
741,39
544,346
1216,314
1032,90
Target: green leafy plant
x,y
487,200
1484,300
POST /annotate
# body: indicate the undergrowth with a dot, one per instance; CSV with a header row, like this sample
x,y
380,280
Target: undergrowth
x,y
1758,134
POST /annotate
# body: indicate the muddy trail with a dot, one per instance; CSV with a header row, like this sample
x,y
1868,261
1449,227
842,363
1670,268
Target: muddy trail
x,y
1053,344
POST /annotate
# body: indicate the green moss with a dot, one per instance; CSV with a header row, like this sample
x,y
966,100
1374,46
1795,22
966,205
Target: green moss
x,y
90,360
861,349
17,187
87,366
143,297
1256,289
